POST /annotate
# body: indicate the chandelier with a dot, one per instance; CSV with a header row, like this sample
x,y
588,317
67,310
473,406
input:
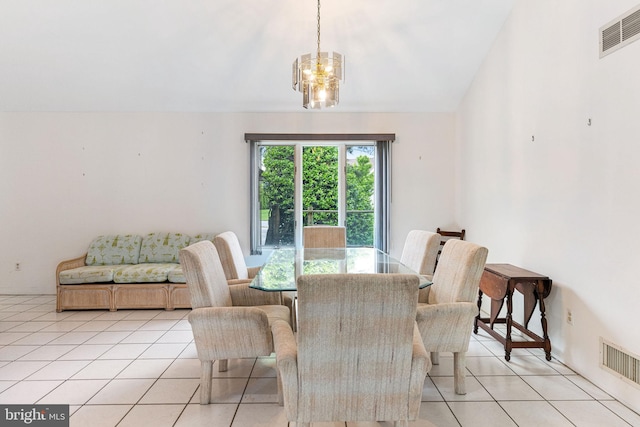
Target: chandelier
x,y
318,78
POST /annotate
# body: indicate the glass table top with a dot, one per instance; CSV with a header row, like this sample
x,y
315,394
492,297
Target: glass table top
x,y
284,265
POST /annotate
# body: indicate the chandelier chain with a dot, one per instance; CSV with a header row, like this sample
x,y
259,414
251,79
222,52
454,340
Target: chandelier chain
x,y
318,31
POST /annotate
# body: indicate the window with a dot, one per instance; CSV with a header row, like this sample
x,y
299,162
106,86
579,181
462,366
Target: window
x,y
302,180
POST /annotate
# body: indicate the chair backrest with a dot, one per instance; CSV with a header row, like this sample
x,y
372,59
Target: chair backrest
x,y
458,272
451,234
205,276
420,251
324,236
231,255
446,235
355,334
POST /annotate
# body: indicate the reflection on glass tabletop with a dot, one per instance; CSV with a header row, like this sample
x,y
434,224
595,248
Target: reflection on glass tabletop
x,y
284,265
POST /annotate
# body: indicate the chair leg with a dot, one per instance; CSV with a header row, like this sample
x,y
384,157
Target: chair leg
x,y
435,358
222,365
459,372
205,381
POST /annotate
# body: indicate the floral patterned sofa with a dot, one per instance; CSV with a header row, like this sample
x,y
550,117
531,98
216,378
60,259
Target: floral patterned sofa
x,y
126,271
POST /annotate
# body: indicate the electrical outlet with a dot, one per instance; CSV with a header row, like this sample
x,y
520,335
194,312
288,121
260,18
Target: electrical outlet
x,y
569,317
17,266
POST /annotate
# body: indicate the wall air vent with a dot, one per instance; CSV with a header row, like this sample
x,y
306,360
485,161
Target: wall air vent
x,y
620,32
619,361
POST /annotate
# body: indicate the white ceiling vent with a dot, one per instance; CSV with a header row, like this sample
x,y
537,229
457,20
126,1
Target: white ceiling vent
x,y
620,32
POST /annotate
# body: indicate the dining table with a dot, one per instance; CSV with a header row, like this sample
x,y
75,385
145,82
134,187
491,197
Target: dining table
x,y
285,265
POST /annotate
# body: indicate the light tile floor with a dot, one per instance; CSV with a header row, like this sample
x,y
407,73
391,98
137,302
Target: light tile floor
x,y
139,368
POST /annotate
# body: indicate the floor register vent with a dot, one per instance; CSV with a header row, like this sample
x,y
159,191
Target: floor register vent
x,y
619,361
620,32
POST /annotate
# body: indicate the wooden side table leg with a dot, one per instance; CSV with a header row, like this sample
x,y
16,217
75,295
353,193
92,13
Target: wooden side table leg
x,y
543,320
475,324
509,321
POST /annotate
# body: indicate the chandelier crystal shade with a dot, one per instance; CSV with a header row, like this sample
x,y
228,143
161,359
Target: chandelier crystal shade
x,y
318,77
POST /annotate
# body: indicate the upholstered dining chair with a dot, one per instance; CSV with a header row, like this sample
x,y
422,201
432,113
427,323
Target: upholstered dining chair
x,y
420,251
358,354
446,319
232,258
224,327
324,236
239,276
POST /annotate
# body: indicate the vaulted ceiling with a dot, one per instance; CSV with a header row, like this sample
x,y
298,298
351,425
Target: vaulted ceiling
x,y
236,55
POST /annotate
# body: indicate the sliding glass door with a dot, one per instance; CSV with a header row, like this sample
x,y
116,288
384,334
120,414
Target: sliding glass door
x,y
276,195
360,195
320,185
299,183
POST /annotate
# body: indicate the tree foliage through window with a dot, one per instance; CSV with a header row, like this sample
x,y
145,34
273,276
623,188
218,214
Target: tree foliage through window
x,y
320,191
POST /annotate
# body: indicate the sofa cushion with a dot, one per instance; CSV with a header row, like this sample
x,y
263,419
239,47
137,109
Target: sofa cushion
x,y
89,274
162,247
114,250
202,236
177,275
144,273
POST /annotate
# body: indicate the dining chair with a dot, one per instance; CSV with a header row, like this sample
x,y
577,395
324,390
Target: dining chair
x,y
446,235
224,324
324,236
358,355
232,258
420,251
239,276
446,319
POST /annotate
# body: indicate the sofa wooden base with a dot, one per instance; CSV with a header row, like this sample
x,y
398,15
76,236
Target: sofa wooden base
x,y
115,296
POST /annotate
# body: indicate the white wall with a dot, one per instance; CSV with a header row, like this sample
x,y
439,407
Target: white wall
x,y
567,204
68,177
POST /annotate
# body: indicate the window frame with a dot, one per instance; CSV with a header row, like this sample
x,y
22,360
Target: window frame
x,y
382,143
